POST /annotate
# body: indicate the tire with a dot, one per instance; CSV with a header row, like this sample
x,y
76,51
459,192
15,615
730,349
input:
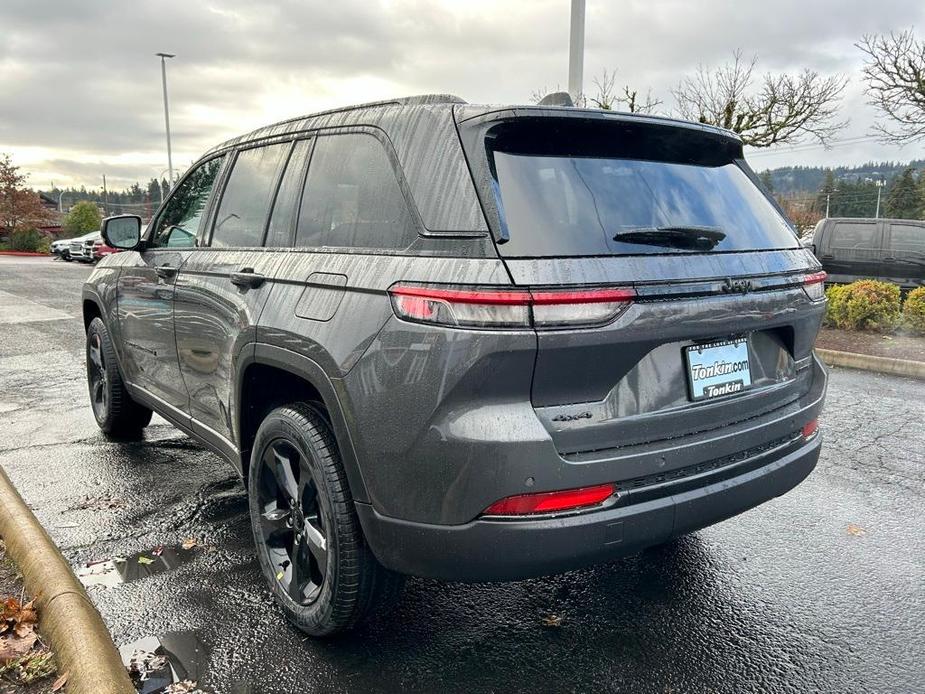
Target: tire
x,y
335,580
66,256
116,413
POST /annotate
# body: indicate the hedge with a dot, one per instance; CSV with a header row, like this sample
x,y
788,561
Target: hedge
x,y
914,311
864,305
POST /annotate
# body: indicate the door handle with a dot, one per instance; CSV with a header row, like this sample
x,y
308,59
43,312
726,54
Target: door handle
x,y
889,258
827,256
246,277
165,271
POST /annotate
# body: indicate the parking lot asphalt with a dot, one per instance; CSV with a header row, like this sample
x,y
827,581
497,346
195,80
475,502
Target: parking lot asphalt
x,y
822,589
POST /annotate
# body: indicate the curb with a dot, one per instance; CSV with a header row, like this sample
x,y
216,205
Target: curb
x,y
81,642
866,362
25,253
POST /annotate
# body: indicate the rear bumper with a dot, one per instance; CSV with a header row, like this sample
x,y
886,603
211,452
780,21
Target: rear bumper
x,y
503,550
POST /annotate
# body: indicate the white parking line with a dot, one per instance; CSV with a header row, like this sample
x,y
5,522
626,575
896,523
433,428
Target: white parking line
x,y
17,309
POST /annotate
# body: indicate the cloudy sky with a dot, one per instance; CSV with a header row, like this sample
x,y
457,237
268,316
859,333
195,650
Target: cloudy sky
x,y
81,90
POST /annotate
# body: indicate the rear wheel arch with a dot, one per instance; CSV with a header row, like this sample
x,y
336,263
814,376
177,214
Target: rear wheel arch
x,y
272,377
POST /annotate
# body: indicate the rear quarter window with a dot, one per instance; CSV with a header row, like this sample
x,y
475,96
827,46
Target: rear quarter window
x,y
352,197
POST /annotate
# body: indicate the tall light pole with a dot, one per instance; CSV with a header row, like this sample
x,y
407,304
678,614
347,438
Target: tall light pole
x,y
163,57
880,185
576,50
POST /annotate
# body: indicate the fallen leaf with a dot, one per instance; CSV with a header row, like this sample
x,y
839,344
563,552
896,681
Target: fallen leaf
x,y
189,543
12,647
552,621
279,575
59,683
143,663
144,561
855,529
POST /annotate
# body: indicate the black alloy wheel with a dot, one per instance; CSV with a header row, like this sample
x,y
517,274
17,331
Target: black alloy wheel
x,y
310,545
97,377
292,522
116,413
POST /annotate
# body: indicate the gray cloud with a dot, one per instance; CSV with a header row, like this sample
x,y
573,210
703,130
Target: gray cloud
x,y
80,80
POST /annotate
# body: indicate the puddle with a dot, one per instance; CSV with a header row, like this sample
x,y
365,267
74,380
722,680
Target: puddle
x,y
156,662
171,662
112,572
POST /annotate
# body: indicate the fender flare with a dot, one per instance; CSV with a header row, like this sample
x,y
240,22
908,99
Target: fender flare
x,y
308,370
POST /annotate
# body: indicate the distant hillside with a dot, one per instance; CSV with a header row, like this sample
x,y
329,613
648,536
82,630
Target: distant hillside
x,y
808,179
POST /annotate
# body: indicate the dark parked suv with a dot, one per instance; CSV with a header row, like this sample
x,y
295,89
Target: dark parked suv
x,y
886,249
466,342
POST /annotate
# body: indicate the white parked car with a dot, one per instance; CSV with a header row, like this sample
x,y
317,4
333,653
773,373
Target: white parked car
x,y
81,248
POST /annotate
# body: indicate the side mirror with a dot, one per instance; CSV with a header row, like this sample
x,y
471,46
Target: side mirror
x,y
122,232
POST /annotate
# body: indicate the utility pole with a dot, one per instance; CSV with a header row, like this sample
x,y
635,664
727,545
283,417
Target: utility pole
x,y
576,50
163,57
828,197
880,185
105,198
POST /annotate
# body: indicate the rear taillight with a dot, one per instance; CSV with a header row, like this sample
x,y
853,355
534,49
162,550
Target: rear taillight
x,y
493,307
814,285
810,429
551,502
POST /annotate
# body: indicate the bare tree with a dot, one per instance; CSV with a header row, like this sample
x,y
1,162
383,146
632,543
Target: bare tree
x,y
608,99
607,96
895,76
766,110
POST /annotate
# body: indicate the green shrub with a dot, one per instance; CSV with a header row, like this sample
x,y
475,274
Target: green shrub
x,y
835,308
25,240
864,305
914,311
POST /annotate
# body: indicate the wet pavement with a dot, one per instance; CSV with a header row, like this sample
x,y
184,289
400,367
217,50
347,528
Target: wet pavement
x,y
820,590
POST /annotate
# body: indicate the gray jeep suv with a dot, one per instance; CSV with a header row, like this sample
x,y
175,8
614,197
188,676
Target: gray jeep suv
x,y
468,342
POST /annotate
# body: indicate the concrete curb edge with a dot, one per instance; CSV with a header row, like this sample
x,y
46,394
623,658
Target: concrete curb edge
x,y
866,362
81,642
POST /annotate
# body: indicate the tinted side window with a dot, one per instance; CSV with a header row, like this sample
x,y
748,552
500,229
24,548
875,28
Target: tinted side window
x,y
178,224
853,235
287,199
907,238
352,197
242,214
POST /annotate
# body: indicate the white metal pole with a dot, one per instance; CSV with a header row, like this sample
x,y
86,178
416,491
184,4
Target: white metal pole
x,y
576,50
164,57
827,196
879,188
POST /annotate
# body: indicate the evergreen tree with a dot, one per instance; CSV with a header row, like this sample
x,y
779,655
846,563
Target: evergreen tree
x,y
904,200
767,180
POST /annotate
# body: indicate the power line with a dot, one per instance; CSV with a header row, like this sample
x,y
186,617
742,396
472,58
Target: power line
x,y
809,146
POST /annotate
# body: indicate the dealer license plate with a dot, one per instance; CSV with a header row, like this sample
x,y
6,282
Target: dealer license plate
x,y
718,368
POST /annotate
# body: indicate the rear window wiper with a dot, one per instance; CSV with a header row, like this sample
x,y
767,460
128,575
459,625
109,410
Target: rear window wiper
x,y
695,238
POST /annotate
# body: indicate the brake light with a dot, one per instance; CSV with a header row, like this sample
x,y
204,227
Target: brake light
x,y
550,502
810,428
493,307
814,285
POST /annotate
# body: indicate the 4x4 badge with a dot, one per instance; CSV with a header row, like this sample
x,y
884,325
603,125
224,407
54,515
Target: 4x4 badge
x,y
571,417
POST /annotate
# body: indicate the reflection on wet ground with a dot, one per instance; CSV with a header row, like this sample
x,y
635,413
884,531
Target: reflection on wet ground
x,y
175,658
111,572
155,662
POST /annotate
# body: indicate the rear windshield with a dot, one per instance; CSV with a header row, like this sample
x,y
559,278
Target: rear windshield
x,y
604,189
